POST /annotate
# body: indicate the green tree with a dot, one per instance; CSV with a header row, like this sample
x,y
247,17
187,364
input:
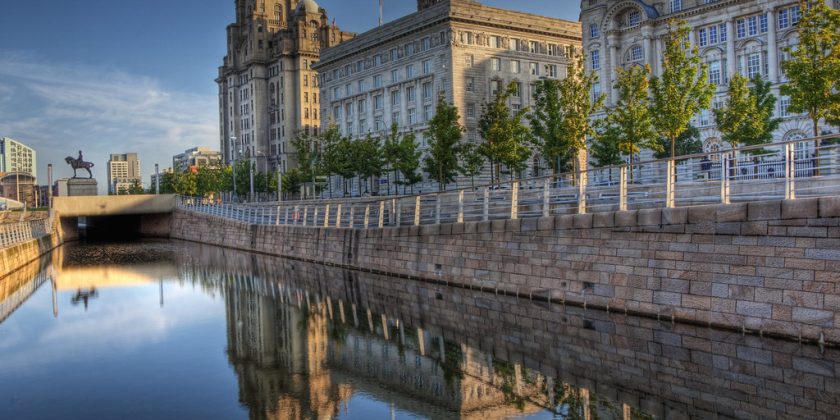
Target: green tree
x,y
291,182
606,150
392,153
546,123
765,104
738,120
444,134
334,161
367,160
688,143
577,104
408,162
471,162
683,89
308,155
630,121
505,137
813,70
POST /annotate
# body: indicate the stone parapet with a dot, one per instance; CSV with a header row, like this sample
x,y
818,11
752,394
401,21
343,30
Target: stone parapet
x,y
768,267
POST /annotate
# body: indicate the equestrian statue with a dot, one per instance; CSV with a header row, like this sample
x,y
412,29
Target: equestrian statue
x,y
79,164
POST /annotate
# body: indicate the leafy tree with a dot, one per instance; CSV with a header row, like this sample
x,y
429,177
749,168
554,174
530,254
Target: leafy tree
x,y
813,70
738,120
391,154
367,159
688,143
546,122
505,136
334,160
444,134
630,123
577,105
683,89
308,151
765,103
291,181
471,162
606,150
408,161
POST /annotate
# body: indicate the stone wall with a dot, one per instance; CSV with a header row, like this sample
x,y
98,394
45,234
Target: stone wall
x,y
14,257
766,267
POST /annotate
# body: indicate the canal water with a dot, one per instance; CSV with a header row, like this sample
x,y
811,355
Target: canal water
x,y
164,329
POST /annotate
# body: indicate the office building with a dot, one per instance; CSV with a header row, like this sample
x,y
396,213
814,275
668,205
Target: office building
x,y
123,172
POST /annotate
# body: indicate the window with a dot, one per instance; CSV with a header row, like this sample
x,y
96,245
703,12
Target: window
x,y
409,49
788,17
593,30
305,80
468,60
495,42
517,90
714,72
495,64
377,102
753,64
794,15
336,93
348,110
533,47
348,89
361,106
784,104
409,71
784,20
378,123
470,84
425,44
362,86
676,6
535,69
412,116
596,91
551,71
515,66
741,28
470,110
427,90
713,35
702,37
762,23
723,32
427,66
495,86
595,60
427,113
513,45
633,18
636,53
377,60
410,93
393,54
395,98
362,127
705,117
377,81
752,25
396,118
395,76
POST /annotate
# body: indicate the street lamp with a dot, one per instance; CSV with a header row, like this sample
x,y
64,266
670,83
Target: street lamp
x,y
233,162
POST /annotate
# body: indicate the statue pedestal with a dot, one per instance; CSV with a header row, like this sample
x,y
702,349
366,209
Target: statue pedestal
x,y
81,186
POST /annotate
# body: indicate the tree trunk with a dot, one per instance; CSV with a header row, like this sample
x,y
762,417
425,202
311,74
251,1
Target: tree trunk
x,y
816,122
632,161
673,147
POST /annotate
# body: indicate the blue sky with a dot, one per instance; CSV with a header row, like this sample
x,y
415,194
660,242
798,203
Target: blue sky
x,y
117,76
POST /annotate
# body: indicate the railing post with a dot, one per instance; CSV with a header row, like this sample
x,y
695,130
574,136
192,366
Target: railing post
x,y
461,206
305,214
546,207
790,171
417,211
582,180
670,184
367,216
485,213
297,215
338,216
315,216
391,218
381,214
286,217
327,215
352,223
514,200
724,178
277,219
622,189
399,212
437,208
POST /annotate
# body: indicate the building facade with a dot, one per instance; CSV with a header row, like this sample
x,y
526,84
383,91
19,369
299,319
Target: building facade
x,y
20,187
17,157
733,36
197,157
460,49
268,90
123,172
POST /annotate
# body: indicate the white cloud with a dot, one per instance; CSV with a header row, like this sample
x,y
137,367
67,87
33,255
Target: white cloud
x,y
59,108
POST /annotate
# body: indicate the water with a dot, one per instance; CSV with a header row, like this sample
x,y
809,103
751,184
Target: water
x,y
176,330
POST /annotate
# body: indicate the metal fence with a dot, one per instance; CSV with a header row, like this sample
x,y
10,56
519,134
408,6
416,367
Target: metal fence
x,y
15,233
798,168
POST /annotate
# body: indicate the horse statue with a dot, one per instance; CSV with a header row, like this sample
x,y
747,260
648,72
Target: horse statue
x,y
79,164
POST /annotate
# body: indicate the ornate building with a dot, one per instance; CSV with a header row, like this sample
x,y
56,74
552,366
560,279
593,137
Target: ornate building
x,y
460,49
744,36
268,90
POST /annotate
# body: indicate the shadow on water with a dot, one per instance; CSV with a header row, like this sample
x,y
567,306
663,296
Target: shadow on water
x,y
304,340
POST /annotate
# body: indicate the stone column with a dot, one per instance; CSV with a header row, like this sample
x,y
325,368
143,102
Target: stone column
x,y
612,51
731,66
659,50
772,54
650,57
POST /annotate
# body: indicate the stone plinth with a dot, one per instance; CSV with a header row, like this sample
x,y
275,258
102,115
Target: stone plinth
x,y
81,186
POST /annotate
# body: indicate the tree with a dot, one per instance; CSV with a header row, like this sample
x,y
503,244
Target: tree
x,y
367,159
765,104
470,161
505,137
738,120
813,70
606,147
630,123
308,150
291,181
408,161
334,157
683,89
577,104
546,121
391,154
688,143
444,134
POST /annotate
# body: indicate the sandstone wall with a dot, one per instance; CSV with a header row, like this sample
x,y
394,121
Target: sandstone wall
x,y
770,267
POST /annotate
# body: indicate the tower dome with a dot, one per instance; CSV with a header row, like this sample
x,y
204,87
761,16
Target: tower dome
x,y
308,6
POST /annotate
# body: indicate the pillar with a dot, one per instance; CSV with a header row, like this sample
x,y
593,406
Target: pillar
x,y
731,65
772,53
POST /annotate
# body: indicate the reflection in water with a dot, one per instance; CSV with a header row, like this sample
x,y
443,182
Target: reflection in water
x,y
309,341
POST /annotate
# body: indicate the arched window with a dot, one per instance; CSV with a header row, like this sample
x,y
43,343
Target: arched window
x,y
630,18
635,54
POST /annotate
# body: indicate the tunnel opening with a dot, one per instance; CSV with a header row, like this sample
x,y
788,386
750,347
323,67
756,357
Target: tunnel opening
x,y
110,228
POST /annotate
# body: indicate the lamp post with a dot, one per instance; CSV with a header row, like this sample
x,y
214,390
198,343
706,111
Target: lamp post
x,y
233,162
49,186
157,179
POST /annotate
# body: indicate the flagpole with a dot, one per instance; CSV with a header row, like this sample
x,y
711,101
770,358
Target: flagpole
x,y
380,12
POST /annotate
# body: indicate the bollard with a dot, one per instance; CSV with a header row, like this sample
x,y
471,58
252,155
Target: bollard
x,y
461,206
352,222
417,211
381,214
338,216
546,210
327,215
367,216
670,184
582,191
790,171
485,215
514,200
622,189
724,178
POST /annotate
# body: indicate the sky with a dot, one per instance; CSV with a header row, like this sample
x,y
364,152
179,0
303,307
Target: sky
x,y
105,76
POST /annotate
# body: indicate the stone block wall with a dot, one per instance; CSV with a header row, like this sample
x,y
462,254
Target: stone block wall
x,y
14,257
767,267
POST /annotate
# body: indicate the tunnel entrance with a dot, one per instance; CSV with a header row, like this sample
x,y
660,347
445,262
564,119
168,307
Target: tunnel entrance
x,y
110,228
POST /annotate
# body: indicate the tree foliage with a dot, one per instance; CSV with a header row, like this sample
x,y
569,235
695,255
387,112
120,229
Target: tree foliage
x,y
444,134
546,121
688,143
738,120
470,161
813,70
505,137
577,104
683,89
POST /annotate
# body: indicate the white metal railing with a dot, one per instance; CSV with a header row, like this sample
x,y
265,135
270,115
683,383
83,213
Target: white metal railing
x,y
798,168
15,233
